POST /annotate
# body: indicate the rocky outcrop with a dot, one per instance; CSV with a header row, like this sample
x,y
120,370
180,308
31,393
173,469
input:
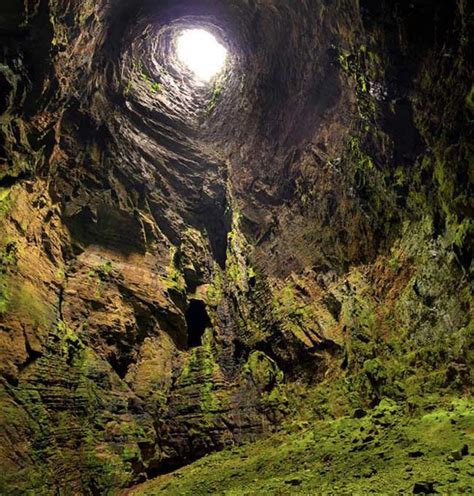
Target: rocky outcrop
x,y
174,257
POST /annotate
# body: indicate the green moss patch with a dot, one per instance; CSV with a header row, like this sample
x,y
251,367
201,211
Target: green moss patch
x,y
385,452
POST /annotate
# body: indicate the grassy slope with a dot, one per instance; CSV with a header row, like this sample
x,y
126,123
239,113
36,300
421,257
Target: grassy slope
x,y
386,452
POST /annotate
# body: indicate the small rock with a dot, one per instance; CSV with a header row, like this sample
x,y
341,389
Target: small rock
x,y
456,455
359,413
424,488
415,453
295,481
459,454
369,472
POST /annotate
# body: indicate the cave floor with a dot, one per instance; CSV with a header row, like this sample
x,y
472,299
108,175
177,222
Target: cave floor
x,y
385,452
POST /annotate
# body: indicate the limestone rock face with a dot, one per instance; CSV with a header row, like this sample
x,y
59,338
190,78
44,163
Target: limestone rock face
x,y
176,258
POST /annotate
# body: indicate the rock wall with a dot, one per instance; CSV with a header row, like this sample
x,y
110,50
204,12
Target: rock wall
x,y
173,257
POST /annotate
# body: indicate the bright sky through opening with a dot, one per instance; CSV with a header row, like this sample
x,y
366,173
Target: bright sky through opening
x,y
201,53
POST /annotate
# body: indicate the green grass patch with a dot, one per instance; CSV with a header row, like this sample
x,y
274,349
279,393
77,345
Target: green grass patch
x,y
386,452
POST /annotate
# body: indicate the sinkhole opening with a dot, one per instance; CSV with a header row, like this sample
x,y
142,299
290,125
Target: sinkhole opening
x,y
200,52
197,321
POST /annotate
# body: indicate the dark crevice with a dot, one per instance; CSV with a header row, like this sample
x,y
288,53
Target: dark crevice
x,y
120,364
8,181
197,321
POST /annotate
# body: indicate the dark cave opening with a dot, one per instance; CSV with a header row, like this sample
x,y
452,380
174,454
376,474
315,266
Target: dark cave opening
x,y
197,321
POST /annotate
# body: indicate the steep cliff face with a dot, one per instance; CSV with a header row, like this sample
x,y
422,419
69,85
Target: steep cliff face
x,y
183,266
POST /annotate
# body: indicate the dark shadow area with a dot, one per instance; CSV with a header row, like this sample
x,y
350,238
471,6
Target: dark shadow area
x,y
109,227
197,320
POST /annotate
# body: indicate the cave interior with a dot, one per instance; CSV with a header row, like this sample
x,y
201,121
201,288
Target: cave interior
x,y
236,247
